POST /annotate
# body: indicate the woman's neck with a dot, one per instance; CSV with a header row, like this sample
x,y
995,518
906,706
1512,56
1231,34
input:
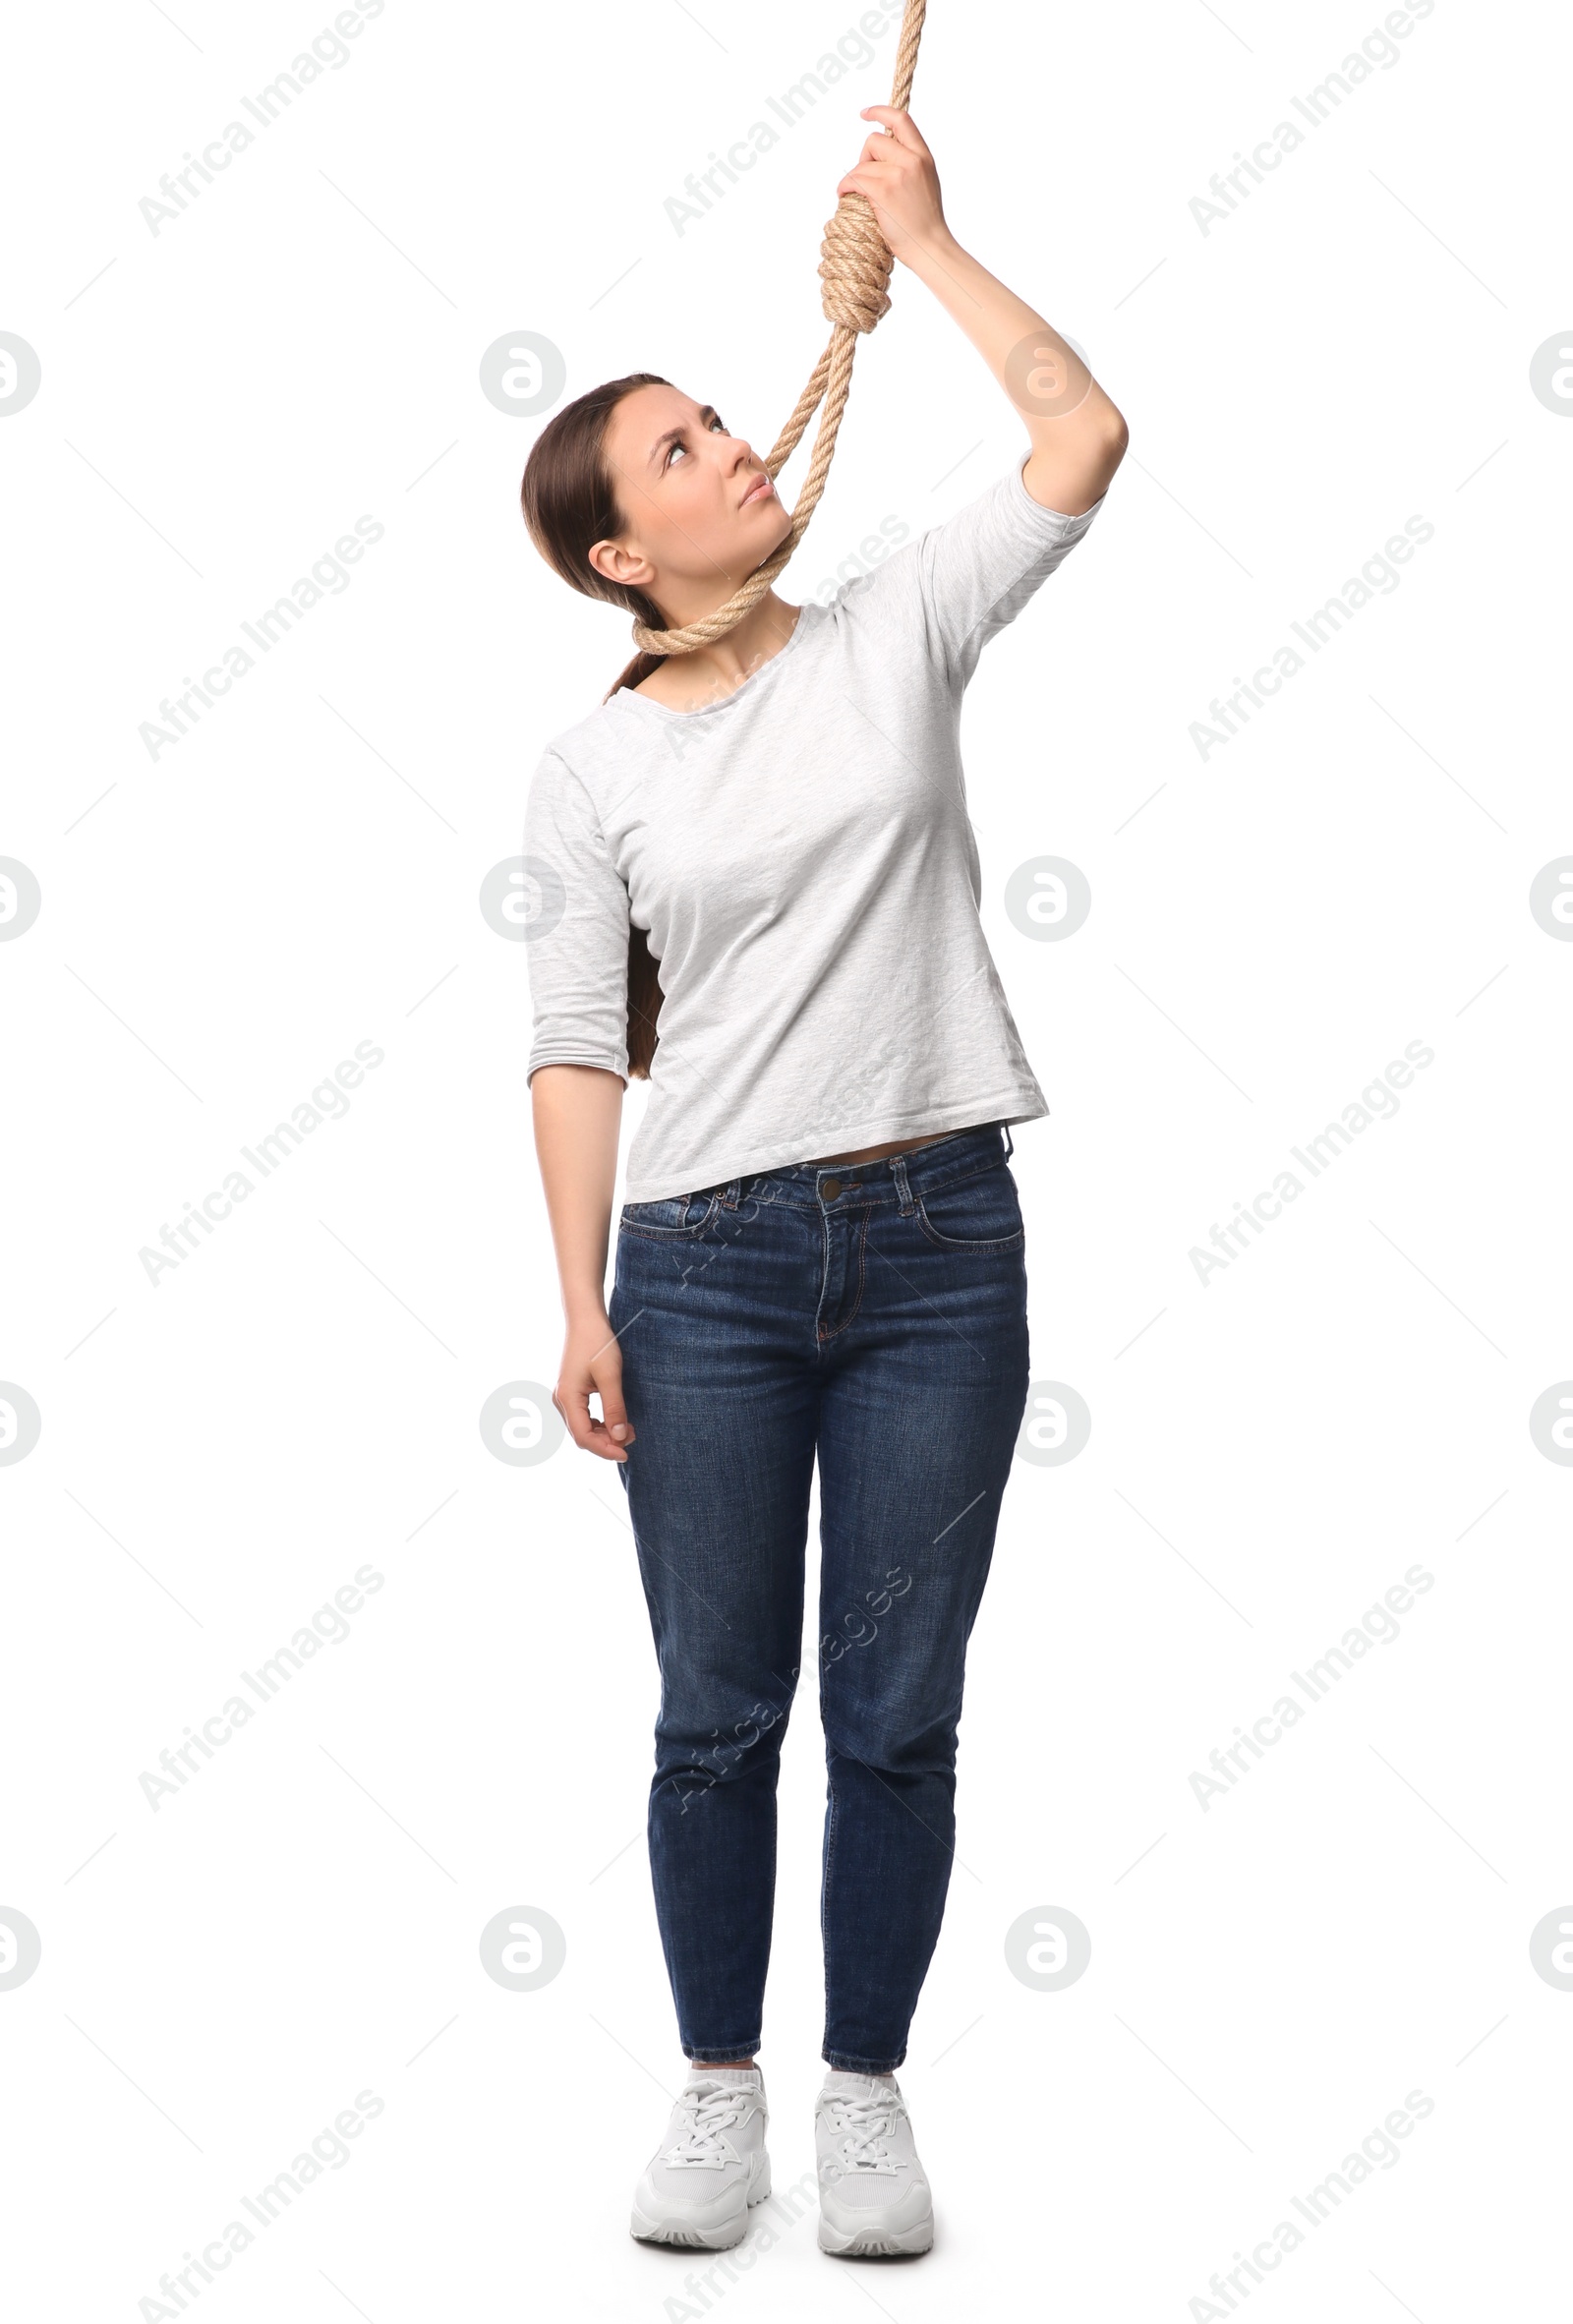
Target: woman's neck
x,y
688,681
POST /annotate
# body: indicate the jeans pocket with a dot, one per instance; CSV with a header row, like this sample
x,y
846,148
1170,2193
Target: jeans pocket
x,y
672,1220
979,1213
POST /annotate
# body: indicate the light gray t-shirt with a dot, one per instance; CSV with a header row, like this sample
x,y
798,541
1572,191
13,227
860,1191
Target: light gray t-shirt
x,y
801,856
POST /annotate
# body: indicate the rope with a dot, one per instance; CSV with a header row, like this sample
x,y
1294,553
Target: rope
x,y
854,266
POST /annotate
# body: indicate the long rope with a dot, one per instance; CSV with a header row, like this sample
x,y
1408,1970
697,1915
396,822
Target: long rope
x,y
854,265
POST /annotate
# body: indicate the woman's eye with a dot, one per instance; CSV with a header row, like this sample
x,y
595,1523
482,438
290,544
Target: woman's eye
x,y
718,422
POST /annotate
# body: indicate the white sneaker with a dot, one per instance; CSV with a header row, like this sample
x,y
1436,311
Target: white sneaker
x,y
873,2197
699,2185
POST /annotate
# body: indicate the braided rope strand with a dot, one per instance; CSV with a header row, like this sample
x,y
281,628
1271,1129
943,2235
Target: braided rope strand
x,y
854,269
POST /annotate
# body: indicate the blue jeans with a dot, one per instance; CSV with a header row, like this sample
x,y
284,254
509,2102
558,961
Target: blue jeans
x,y
874,1313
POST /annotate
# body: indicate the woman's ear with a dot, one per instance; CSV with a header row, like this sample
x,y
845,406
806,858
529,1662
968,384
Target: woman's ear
x,y
621,565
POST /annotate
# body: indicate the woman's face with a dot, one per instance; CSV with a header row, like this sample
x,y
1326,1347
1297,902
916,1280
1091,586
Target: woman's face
x,y
701,511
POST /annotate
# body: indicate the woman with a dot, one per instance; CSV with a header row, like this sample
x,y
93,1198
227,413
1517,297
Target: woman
x,y
822,1249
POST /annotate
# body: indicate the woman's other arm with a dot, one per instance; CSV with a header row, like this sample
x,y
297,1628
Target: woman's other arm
x,y
577,1112
1079,437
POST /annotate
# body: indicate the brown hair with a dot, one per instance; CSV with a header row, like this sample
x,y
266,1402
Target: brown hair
x,y
569,504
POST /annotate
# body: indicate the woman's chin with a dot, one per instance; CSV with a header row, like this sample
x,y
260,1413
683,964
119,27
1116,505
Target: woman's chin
x,y
771,522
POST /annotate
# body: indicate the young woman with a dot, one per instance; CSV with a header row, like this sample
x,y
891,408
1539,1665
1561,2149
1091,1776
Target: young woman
x,y
822,1249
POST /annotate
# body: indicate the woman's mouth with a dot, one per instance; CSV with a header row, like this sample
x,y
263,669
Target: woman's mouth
x,y
760,490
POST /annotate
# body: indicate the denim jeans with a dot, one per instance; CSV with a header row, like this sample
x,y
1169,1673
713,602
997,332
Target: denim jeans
x,y
873,1313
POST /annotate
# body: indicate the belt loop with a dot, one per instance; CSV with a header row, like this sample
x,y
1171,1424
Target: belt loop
x,y
732,1194
903,1191
1009,1142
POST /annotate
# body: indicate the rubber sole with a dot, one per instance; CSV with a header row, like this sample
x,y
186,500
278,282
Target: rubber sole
x,y
872,2242
720,2237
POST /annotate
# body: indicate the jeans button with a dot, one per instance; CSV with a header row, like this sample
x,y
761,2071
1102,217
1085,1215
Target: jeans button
x,y
831,1189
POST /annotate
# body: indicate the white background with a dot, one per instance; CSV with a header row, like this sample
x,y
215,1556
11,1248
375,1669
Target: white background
x,y
300,1397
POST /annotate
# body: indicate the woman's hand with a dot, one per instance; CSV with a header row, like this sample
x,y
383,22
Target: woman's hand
x,y
898,175
593,1359
1078,436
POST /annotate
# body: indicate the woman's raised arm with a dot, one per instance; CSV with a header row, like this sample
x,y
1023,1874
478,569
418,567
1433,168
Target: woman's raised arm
x,y
1079,437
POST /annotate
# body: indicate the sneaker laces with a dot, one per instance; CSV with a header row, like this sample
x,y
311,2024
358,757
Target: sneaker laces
x,y
709,2110
861,2124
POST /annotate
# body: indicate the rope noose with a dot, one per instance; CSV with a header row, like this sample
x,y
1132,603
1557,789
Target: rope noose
x,y
854,265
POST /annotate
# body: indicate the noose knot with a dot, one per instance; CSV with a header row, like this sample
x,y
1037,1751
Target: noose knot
x,y
855,265
854,269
